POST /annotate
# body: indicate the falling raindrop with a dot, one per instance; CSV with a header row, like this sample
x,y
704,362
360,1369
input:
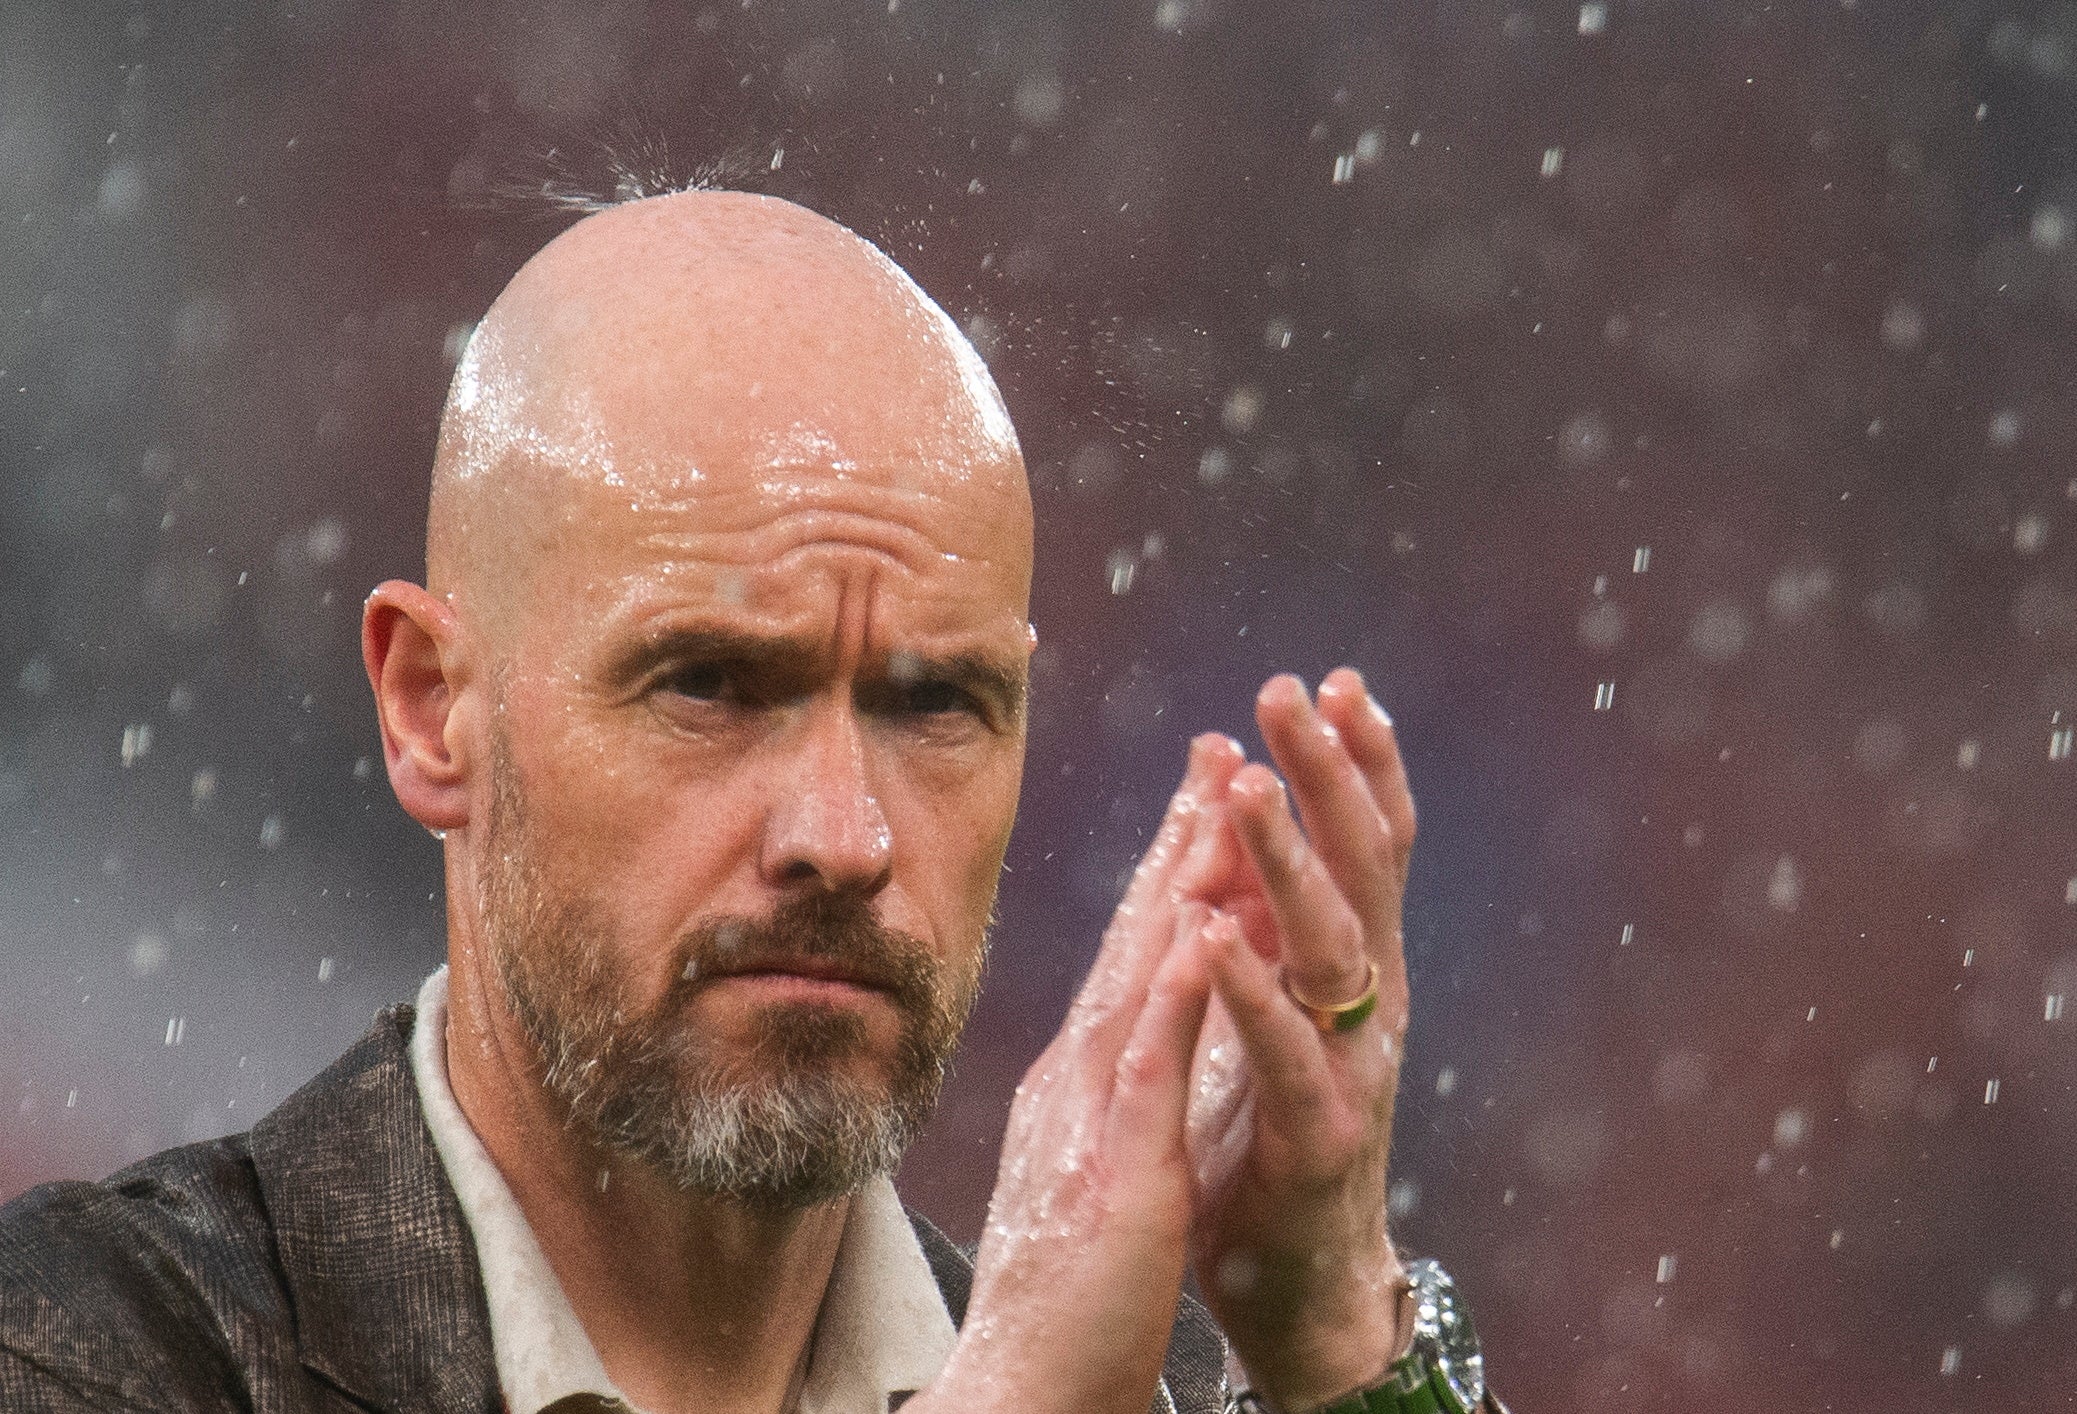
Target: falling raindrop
x,y
1785,885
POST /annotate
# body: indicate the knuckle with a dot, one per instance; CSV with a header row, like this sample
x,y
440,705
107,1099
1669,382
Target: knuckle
x,y
1142,1067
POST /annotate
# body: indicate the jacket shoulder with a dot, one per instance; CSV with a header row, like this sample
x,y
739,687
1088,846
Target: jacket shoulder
x,y
129,1287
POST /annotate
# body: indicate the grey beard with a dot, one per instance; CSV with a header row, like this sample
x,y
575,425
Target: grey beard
x,y
776,1123
796,1135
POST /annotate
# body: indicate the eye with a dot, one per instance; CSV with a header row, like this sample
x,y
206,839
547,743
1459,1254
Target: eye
x,y
704,682
933,697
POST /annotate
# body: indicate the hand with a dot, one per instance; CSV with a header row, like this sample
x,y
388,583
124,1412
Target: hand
x,y
1076,1281
1290,1130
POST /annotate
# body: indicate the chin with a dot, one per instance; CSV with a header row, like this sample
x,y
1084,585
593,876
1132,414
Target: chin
x,y
813,1035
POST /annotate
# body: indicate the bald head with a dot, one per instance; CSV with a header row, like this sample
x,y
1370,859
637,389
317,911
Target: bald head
x,y
709,351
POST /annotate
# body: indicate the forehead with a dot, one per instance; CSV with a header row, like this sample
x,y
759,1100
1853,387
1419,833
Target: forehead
x,y
737,403
794,554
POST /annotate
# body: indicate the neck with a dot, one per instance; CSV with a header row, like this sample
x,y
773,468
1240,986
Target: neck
x,y
636,1255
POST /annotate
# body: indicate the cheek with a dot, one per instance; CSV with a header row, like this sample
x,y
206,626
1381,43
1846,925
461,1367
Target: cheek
x,y
648,837
963,838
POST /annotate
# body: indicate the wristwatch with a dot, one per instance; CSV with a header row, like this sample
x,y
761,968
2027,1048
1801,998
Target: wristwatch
x,y
1444,1372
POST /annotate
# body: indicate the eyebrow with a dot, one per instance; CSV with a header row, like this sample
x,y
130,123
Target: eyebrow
x,y
1001,681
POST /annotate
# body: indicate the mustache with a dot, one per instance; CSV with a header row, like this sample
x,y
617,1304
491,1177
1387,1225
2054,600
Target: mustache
x,y
838,931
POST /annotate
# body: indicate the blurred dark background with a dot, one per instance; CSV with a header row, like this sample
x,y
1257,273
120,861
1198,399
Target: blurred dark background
x,y
1668,406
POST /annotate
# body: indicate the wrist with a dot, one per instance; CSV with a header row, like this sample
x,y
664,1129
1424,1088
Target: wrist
x,y
1348,1340
1442,1373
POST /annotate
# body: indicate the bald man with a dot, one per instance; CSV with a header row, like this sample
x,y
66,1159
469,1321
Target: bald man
x,y
715,698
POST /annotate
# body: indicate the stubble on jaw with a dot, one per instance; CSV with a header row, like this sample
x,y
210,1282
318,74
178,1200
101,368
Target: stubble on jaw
x,y
782,1121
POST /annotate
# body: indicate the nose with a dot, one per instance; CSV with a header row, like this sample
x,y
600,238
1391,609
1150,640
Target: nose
x,y
824,828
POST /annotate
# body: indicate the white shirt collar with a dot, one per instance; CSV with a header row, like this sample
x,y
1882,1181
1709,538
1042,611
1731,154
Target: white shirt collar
x,y
883,1326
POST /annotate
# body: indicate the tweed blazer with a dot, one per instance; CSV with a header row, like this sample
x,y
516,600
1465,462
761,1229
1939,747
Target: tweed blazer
x,y
317,1265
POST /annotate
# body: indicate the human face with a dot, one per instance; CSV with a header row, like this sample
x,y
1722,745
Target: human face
x,y
755,757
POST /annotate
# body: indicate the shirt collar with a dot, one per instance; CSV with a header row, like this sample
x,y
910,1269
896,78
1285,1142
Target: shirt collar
x,y
883,1327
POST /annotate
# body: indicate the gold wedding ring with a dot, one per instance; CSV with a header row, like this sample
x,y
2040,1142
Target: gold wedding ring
x,y
1343,1016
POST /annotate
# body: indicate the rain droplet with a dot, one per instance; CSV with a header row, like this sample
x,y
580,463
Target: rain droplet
x,y
1123,569
136,743
1785,885
147,954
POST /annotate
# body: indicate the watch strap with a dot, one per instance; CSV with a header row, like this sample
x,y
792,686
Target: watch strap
x,y
1411,1386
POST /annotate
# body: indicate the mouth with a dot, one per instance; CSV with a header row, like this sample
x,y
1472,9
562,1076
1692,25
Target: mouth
x,y
805,978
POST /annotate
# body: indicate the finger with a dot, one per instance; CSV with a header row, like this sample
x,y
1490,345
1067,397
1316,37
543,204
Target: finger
x,y
1139,931
1287,1056
1152,1089
1372,742
1334,799
1215,869
1323,940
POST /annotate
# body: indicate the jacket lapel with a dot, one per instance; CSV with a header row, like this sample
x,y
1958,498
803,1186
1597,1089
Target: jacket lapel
x,y
378,1258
